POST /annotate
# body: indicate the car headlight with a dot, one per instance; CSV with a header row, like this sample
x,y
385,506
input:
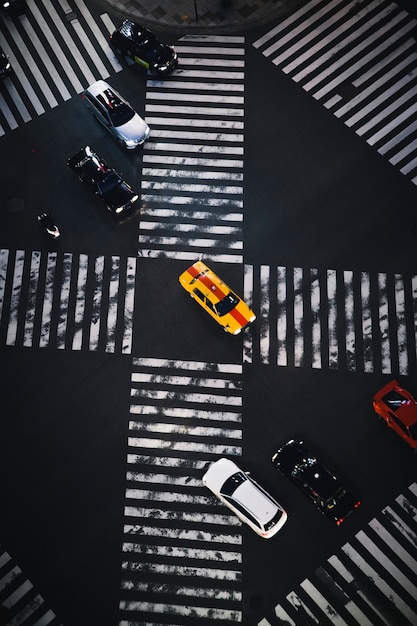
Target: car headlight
x,y
131,143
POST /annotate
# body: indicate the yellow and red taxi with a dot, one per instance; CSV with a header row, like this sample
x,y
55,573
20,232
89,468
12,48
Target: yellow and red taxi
x,y
216,298
398,409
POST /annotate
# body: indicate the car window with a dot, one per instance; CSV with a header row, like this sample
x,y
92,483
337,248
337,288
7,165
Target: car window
x,y
94,103
274,520
232,483
394,400
227,304
210,305
413,431
153,50
199,294
107,183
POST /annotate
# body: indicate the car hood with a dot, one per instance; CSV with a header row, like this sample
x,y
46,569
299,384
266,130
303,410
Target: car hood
x,y
118,196
136,129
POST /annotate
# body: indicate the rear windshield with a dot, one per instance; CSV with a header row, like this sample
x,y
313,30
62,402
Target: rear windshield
x,y
232,483
227,304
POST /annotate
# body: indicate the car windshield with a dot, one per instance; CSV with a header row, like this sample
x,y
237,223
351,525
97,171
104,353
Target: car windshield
x,y
118,110
232,483
227,304
108,183
153,49
395,400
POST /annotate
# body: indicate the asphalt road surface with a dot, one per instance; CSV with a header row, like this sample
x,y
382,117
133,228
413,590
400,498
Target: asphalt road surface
x,y
117,391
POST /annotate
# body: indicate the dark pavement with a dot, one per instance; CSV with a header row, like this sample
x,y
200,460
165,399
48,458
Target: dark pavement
x,y
208,16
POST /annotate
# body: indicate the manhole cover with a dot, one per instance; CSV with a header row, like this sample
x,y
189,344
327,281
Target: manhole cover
x,y
15,205
348,91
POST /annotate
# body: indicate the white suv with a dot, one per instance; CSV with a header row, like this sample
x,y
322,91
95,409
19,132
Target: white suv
x,y
252,504
116,114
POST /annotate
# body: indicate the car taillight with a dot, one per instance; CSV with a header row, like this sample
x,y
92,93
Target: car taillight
x,y
340,520
357,504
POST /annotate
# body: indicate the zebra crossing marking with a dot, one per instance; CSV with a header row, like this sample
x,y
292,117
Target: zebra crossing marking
x,y
189,535
358,61
58,300
193,158
19,597
41,80
336,319
362,581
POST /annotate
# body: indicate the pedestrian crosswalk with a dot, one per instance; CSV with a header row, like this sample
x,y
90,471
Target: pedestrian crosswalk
x,y
323,319
20,603
67,301
192,177
358,59
182,550
56,50
330,319
370,581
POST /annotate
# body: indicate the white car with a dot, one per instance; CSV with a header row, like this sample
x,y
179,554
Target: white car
x,y
238,491
116,114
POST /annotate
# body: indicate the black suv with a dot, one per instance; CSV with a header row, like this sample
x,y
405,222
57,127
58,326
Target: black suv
x,y
138,43
321,486
91,169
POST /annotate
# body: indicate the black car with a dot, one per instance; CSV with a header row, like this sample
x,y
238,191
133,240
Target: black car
x,y
328,494
104,181
11,5
5,66
138,43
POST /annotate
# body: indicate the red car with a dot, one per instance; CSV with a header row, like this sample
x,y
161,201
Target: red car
x,y
398,409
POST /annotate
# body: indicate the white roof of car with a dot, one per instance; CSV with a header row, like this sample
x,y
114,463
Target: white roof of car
x,y
247,493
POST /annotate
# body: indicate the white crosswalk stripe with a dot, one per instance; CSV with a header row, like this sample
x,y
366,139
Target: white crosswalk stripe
x,y
192,177
56,51
358,60
358,321
20,599
370,581
65,301
190,564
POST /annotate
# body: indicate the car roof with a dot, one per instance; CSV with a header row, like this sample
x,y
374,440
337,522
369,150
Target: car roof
x,y
211,285
247,493
399,401
89,161
134,31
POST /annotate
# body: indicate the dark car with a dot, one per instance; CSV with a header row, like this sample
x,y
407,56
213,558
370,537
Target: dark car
x,y
11,5
137,42
398,409
5,66
328,494
103,180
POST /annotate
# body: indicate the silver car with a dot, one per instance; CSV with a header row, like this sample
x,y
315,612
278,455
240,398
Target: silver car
x,y
116,114
238,491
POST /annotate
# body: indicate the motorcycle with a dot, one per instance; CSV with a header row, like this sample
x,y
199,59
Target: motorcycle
x,y
48,225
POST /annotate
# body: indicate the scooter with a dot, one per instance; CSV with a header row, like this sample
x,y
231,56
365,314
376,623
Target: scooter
x,y
48,225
